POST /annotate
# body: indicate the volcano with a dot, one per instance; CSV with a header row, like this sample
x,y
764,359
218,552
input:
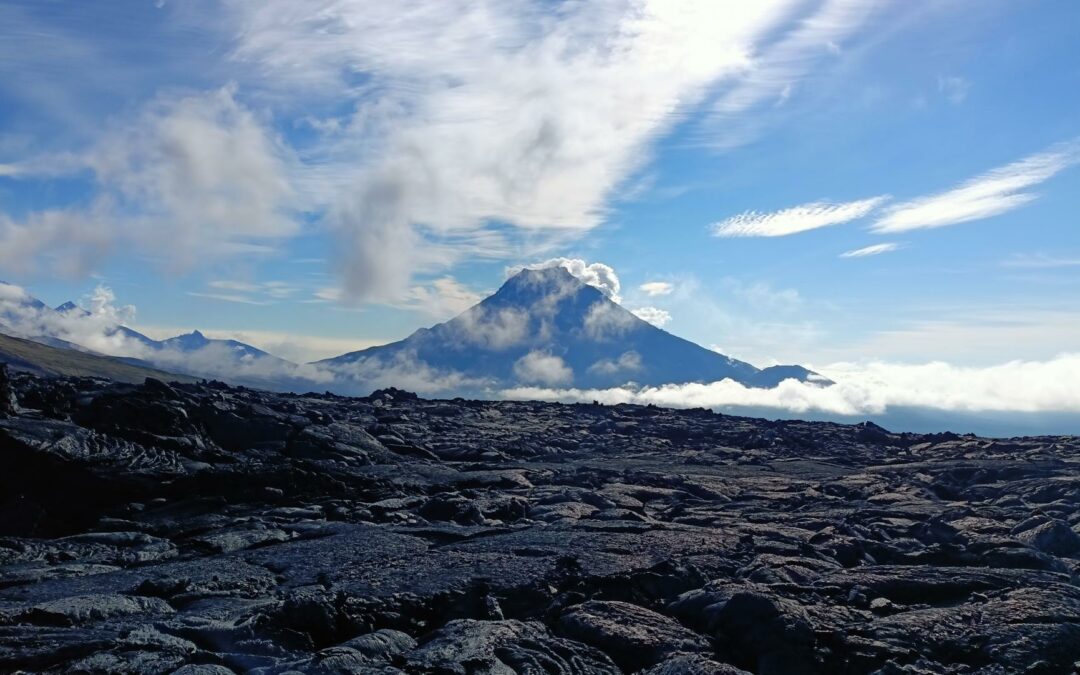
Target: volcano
x,y
548,328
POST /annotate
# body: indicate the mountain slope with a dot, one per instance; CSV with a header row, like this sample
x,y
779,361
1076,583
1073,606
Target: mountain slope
x,y
46,360
68,325
547,328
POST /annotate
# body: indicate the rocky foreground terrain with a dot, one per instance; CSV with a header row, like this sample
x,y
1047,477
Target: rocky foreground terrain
x,y
203,529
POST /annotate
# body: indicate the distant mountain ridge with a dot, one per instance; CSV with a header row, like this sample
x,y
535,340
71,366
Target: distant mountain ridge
x,y
542,328
26,317
548,328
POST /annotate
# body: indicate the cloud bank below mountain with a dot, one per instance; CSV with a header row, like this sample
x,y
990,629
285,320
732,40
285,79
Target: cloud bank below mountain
x,y
866,389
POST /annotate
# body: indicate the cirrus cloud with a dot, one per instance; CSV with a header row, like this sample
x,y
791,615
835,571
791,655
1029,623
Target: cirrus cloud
x,y
795,219
990,194
874,249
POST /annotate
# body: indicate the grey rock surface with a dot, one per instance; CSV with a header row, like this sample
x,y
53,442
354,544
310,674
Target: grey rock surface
x,y
205,529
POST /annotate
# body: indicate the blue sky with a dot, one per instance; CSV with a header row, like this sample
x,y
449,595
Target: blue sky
x,y
320,177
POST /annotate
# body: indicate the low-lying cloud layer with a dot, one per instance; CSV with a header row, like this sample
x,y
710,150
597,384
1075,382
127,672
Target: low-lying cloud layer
x,y
869,388
100,327
866,388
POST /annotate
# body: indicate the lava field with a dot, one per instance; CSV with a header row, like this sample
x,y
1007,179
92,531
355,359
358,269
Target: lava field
x,y
202,529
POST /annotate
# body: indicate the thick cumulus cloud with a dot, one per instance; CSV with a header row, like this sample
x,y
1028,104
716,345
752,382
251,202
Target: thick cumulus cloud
x,y
870,388
597,274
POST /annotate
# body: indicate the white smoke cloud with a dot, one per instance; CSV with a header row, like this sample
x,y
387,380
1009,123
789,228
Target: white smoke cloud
x,y
597,274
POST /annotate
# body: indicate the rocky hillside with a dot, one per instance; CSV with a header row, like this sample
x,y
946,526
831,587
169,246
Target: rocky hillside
x,y
202,529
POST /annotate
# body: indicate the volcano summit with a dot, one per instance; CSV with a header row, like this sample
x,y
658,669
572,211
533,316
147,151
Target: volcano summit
x,y
546,327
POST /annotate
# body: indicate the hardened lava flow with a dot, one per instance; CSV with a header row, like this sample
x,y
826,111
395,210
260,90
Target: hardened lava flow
x,y
205,529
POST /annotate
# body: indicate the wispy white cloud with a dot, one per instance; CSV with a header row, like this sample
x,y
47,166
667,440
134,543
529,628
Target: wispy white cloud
x,y
433,129
295,347
605,321
874,249
442,298
795,219
189,178
654,288
229,297
654,315
496,329
953,88
628,363
543,368
990,194
1041,261
404,370
868,388
777,68
473,113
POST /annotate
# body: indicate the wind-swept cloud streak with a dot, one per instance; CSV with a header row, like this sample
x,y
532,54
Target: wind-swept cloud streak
x,y
795,219
423,132
777,68
990,194
1041,261
874,249
473,113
